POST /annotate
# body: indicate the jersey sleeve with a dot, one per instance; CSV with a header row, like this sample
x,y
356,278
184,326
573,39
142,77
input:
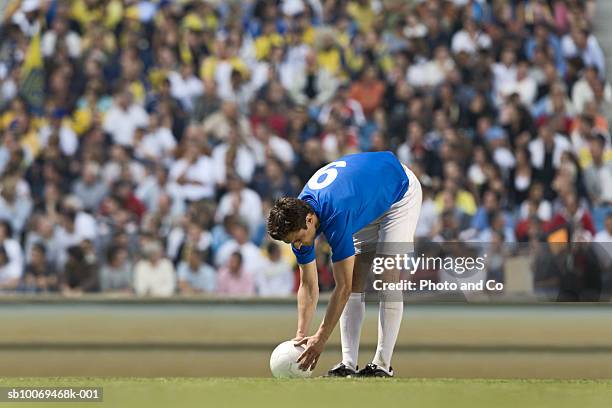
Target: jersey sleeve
x,y
339,237
304,255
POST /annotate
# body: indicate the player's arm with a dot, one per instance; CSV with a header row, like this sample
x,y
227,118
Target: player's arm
x,y
343,276
307,298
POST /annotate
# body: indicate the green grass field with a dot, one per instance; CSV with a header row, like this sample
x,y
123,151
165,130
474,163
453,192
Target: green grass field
x,y
321,392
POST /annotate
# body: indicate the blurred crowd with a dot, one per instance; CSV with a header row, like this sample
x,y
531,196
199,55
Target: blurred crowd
x,y
143,142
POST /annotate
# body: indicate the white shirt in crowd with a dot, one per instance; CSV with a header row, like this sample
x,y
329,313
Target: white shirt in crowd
x,y
14,267
544,210
538,153
121,124
157,144
462,41
276,279
503,74
244,163
353,105
68,139
429,73
154,280
249,209
71,40
591,55
280,148
202,173
582,93
252,259
111,171
526,88
85,227
185,89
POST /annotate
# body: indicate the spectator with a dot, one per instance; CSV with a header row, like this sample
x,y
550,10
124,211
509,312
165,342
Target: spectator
x,y
541,207
195,276
156,142
193,176
124,117
240,200
60,35
271,144
470,39
234,280
598,177
79,275
368,91
545,153
58,127
219,124
277,278
116,274
11,259
9,274
253,260
185,86
233,155
272,181
15,203
584,89
40,275
153,274
314,85
89,188
582,44
573,216
310,160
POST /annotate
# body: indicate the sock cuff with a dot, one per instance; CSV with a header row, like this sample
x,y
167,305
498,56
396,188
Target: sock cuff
x,y
356,296
391,304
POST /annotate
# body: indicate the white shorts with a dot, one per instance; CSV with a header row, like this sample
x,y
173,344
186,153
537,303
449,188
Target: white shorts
x,y
393,232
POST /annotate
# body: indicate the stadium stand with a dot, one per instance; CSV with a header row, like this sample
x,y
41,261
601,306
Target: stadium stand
x,y
143,142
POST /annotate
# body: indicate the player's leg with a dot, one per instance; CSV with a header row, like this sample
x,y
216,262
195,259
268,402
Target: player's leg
x,y
396,231
351,319
352,316
390,312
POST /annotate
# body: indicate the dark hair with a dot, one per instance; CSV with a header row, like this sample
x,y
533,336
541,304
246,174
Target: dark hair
x,y
39,246
112,252
238,256
288,214
8,227
69,213
272,248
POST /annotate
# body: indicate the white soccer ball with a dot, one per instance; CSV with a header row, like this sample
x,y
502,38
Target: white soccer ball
x,y
283,362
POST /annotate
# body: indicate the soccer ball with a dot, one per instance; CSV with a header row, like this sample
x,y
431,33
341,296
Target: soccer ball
x,y
283,362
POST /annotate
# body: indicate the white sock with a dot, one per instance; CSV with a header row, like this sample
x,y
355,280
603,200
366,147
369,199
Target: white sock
x,y
350,329
389,321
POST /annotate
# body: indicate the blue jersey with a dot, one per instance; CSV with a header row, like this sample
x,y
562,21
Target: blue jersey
x,y
349,194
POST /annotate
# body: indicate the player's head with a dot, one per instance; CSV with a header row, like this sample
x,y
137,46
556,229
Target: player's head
x,y
293,221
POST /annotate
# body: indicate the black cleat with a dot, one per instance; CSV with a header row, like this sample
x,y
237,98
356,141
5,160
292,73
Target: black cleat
x,y
372,370
341,370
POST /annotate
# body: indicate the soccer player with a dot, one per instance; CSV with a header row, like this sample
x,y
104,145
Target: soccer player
x,y
357,201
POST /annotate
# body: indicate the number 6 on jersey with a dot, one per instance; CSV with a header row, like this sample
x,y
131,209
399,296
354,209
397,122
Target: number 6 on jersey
x,y
329,172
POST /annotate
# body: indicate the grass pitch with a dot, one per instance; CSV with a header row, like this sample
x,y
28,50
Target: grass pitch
x,y
322,392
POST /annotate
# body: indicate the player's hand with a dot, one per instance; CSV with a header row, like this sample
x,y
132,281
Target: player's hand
x,y
309,358
299,335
